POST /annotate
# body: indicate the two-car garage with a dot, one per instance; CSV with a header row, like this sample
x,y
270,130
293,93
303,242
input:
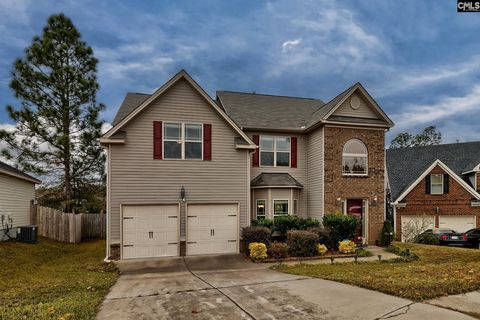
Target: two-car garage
x,y
414,224
155,230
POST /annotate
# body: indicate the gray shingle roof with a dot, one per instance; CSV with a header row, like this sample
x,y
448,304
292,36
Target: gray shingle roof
x,y
405,165
9,169
130,103
275,180
322,112
252,110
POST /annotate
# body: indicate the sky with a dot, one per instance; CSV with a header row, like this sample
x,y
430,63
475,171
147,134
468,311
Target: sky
x,y
419,59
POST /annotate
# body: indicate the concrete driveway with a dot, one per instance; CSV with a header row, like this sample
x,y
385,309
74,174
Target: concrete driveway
x,y
229,287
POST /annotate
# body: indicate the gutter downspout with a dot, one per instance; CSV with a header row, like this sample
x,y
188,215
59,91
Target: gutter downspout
x,y
107,249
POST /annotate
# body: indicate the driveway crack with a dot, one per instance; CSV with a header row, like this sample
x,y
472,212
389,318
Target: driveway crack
x,y
219,290
395,313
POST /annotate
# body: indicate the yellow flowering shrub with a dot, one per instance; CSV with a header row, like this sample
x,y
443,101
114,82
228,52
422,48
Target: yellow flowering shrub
x,y
321,249
258,251
347,246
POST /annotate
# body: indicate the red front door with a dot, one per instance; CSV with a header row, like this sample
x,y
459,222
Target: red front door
x,y
355,208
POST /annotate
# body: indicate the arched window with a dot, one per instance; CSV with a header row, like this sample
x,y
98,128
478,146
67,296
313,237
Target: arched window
x,y
355,158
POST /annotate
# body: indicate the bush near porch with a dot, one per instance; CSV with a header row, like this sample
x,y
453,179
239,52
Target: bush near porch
x,y
292,236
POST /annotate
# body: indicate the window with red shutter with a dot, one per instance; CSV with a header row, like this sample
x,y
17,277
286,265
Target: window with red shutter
x,y
157,140
207,142
293,148
256,154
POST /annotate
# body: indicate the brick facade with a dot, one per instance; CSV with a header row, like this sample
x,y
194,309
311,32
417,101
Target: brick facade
x,y
456,202
368,188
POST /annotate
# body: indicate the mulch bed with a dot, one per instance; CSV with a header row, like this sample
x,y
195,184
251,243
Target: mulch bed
x,y
329,256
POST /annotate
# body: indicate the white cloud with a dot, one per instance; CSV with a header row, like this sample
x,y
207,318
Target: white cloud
x,y
105,127
433,75
288,45
414,115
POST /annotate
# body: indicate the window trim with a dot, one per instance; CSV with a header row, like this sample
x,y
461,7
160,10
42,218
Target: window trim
x,y
358,155
437,184
295,207
256,208
279,215
275,151
182,139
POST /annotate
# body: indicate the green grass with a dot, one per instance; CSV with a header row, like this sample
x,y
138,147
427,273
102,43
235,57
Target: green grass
x,y
53,280
440,271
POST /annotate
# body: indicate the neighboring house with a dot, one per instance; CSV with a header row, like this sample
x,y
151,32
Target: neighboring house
x,y
186,173
435,186
17,191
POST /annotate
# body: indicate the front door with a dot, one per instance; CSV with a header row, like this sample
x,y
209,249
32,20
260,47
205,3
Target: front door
x,y
356,208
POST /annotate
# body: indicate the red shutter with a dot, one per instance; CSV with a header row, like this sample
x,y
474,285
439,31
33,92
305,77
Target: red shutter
x,y
157,140
293,149
207,142
256,154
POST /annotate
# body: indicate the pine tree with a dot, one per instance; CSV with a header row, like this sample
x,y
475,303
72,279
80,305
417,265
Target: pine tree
x,y
57,124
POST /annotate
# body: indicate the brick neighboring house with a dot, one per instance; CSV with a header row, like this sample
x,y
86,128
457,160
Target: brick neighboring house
x,y
186,172
435,186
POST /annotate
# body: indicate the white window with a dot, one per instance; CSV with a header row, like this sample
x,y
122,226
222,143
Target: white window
x,y
261,209
436,184
355,158
183,141
274,151
280,208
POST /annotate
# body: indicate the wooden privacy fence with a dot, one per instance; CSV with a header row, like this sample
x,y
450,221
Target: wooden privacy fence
x,y
69,227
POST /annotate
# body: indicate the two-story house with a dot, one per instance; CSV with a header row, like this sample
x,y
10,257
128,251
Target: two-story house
x,y
186,172
434,187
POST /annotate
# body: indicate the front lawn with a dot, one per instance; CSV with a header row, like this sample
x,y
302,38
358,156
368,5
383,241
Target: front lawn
x,y
53,280
440,271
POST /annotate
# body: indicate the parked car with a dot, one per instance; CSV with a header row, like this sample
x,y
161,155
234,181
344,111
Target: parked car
x,y
443,236
473,237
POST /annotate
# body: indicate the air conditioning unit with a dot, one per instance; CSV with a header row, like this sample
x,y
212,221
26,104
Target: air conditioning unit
x,y
27,234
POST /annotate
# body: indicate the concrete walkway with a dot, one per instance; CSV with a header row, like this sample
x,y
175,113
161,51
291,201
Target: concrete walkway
x,y
468,303
231,287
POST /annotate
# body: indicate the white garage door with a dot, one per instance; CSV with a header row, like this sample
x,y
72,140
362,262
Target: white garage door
x,y
457,223
414,225
212,228
150,231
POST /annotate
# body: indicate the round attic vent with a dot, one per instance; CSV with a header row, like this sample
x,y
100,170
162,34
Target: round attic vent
x,y
355,102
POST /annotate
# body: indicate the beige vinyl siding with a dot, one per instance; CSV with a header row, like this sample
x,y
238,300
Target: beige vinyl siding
x,y
363,111
315,173
137,178
15,197
299,173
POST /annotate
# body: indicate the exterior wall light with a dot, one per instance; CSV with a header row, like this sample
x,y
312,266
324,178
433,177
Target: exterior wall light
x,y
339,201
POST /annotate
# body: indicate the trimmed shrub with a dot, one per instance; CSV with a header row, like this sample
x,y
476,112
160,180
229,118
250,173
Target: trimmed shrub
x,y
258,251
307,223
405,255
302,243
268,223
427,238
340,227
278,250
322,233
256,234
363,253
347,246
387,235
284,223
321,249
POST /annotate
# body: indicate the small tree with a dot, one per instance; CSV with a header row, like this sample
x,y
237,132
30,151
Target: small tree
x,y
57,127
412,228
387,235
